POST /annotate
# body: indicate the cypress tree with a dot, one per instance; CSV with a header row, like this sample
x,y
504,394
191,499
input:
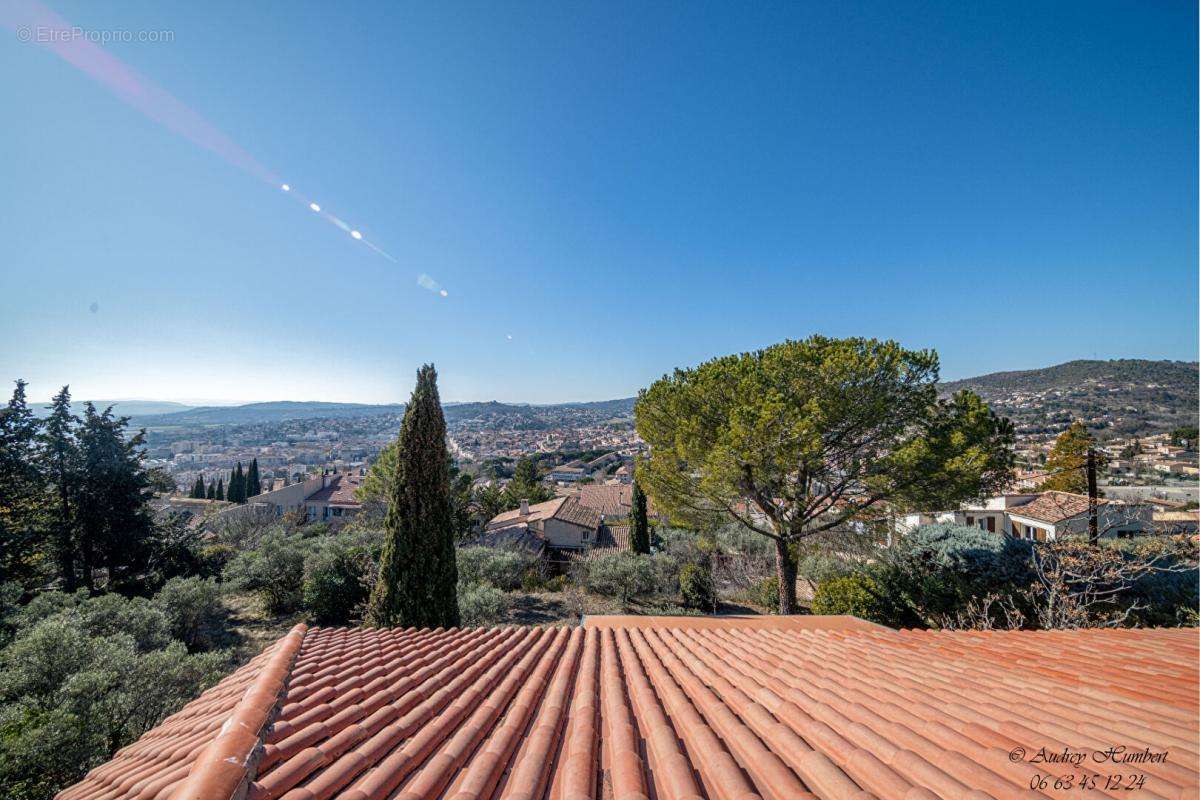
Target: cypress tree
x,y
639,526
418,575
220,488
253,484
236,492
198,488
21,490
211,494
61,450
112,505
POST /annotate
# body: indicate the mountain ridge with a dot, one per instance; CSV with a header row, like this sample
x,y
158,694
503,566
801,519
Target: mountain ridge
x,y
1108,385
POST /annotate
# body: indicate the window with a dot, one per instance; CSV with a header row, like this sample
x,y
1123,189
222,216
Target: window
x,y
991,524
970,520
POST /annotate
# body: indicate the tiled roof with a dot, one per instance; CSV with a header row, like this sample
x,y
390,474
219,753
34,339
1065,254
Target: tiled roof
x,y
676,710
514,535
568,509
613,537
1053,507
574,512
536,511
610,499
340,491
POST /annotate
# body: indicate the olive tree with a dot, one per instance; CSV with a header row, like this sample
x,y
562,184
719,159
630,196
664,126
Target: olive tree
x,y
805,437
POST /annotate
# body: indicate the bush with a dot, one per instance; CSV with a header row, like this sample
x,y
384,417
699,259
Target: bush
x,y
558,583
194,611
481,604
619,575
856,595
502,567
696,587
274,572
937,571
764,593
821,567
72,691
336,581
1169,595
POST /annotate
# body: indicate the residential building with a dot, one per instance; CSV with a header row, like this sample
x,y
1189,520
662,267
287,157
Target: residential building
x,y
1044,516
679,707
328,497
568,474
561,524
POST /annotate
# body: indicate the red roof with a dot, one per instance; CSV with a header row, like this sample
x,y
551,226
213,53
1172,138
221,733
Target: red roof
x,y
1053,507
339,492
671,709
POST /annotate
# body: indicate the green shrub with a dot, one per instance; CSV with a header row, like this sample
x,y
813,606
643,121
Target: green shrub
x,y
502,567
696,587
558,583
1168,596
764,593
336,581
214,557
70,697
620,575
274,571
136,617
855,595
481,604
935,572
194,611
821,567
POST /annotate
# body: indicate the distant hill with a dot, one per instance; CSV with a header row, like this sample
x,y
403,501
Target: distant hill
x,y
126,408
495,413
263,412
1122,397
1178,374
1115,398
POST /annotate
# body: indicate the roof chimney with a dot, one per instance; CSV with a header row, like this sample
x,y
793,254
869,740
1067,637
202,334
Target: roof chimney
x,y
524,508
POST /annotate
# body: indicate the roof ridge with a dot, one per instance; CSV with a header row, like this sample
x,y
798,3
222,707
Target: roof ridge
x,y
225,767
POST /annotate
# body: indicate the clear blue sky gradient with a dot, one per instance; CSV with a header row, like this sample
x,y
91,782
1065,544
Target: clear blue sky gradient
x,y
622,188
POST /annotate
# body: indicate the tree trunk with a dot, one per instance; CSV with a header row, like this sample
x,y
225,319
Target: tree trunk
x,y
785,567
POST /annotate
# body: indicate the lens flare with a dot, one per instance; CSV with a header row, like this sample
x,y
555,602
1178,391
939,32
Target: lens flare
x,y
156,103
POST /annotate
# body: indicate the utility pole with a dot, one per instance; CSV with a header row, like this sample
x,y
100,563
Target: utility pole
x,y
1093,522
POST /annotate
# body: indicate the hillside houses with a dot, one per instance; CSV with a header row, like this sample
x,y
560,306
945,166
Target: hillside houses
x,y
329,497
581,520
1042,517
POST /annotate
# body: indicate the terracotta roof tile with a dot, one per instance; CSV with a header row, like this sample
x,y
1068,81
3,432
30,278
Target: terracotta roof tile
x,y
636,708
1053,506
340,491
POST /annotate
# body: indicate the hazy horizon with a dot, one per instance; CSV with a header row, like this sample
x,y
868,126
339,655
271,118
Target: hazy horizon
x,y
31,391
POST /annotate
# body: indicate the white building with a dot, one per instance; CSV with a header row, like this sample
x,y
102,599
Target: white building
x,y
1042,517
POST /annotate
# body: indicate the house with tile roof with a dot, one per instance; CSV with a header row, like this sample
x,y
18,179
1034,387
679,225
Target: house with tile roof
x,y
630,708
329,497
1043,516
589,518
562,524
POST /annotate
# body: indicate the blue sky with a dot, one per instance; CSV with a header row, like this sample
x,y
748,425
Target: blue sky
x,y
622,188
